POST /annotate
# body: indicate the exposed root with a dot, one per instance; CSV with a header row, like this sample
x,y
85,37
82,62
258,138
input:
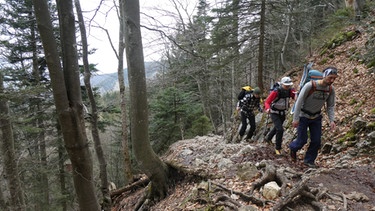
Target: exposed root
x,y
244,197
271,174
300,193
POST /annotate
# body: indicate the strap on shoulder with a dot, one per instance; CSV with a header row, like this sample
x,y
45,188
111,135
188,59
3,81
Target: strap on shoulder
x,y
313,88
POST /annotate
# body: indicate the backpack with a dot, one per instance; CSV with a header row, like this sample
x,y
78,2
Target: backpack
x,y
244,91
281,94
275,86
312,75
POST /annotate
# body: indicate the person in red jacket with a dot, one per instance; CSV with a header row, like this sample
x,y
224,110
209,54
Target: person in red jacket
x,y
277,105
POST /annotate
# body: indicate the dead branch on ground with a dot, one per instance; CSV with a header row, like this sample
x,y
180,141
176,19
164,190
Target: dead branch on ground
x,y
300,192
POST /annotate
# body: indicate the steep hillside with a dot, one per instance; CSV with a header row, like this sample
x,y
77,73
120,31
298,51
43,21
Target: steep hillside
x,y
216,175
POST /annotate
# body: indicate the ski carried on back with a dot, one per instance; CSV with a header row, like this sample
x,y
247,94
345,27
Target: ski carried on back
x,y
307,75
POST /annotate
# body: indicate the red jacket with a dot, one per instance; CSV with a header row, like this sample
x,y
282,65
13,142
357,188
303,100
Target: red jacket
x,y
274,95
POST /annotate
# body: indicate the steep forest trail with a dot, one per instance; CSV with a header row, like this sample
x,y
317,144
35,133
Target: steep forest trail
x,y
216,175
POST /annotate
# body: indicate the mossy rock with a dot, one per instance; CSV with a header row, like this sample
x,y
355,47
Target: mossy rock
x,y
340,39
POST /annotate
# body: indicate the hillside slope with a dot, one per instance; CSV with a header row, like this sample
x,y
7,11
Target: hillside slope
x,y
216,175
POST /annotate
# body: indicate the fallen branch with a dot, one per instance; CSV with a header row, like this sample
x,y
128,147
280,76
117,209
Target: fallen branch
x,y
292,195
225,199
243,196
138,184
345,202
300,192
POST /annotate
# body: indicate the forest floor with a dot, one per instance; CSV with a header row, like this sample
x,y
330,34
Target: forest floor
x,y
217,175
231,170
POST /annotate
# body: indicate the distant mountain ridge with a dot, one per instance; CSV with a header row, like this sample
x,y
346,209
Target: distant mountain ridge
x,y
109,82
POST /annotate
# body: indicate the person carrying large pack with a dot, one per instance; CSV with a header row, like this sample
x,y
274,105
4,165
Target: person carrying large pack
x,y
249,102
307,115
308,75
277,105
244,90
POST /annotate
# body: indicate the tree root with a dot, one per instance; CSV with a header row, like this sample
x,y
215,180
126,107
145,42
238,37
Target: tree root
x,y
271,174
244,197
299,193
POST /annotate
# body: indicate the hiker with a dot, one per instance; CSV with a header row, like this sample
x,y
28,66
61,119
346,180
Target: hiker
x,y
276,105
308,115
248,104
244,90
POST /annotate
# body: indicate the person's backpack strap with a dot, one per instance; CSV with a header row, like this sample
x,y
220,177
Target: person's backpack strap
x,y
281,94
313,88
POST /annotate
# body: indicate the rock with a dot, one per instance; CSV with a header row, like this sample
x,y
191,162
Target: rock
x,y
359,124
326,149
248,208
360,197
371,137
271,190
246,171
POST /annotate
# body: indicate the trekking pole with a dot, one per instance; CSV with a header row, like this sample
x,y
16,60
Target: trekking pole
x,y
266,125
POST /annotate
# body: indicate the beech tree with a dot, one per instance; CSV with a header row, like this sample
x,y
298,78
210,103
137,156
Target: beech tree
x,y
106,205
146,158
67,96
123,104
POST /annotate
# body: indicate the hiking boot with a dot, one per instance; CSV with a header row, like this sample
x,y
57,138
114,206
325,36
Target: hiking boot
x,y
293,155
239,138
248,140
267,141
278,152
310,165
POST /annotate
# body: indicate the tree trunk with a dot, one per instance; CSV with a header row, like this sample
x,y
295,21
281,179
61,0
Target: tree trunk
x,y
67,96
124,122
148,161
261,44
285,39
43,177
17,201
106,204
3,205
41,147
62,172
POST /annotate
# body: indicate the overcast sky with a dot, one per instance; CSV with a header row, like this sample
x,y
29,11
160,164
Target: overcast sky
x,y
105,57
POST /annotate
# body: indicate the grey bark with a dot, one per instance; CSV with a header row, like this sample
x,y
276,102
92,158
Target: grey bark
x,y
261,44
67,95
106,204
124,122
146,158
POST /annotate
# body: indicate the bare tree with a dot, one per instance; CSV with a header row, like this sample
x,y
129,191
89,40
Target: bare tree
x,y
106,205
67,96
146,158
120,70
261,44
